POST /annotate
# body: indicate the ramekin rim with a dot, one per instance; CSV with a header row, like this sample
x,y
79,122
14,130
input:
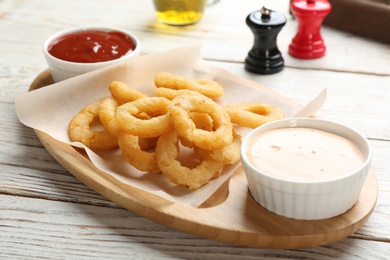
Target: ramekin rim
x,y
69,30
253,132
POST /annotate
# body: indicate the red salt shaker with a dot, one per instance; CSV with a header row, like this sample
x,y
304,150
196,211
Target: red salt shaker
x,y
308,42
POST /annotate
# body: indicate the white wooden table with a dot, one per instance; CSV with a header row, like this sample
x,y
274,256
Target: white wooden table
x,y
46,213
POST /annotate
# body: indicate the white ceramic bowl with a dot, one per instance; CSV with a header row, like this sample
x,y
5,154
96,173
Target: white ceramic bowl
x,y
308,200
61,69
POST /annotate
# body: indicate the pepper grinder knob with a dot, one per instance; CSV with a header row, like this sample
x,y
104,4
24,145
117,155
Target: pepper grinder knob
x,y
308,42
265,57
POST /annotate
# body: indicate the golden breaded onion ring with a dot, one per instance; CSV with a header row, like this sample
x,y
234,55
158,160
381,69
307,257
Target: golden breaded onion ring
x,y
202,120
79,129
107,111
122,93
207,87
167,153
131,117
172,93
253,114
181,108
229,154
135,155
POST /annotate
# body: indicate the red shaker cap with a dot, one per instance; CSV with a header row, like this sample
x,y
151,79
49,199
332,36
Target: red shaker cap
x,y
310,6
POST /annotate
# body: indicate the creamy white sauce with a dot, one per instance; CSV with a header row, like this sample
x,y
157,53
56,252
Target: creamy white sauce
x,y
304,154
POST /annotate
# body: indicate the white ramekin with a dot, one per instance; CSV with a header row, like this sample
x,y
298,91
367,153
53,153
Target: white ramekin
x,y
307,200
62,70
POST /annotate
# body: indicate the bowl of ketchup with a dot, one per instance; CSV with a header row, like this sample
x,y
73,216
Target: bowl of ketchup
x,y
75,51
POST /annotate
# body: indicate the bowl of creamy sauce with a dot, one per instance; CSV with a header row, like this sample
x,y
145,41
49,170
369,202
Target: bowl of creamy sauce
x,y
75,51
305,168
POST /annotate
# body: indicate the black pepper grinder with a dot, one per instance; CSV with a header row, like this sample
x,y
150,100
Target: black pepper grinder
x,y
265,57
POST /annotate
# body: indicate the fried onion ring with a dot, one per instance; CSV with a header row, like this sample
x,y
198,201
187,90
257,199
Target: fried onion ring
x,y
122,93
253,114
172,93
229,154
107,111
181,132
147,143
207,87
180,109
135,154
167,153
202,120
129,120
79,129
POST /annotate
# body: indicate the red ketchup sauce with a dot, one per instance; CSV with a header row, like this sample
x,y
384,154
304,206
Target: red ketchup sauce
x,y
91,46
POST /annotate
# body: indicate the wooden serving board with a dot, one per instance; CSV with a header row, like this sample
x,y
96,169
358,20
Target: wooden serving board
x,y
230,215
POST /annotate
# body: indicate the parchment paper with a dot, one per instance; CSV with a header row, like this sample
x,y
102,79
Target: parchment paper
x,y
50,109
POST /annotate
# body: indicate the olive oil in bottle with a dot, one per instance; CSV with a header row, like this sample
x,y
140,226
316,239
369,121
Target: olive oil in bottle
x,y
179,12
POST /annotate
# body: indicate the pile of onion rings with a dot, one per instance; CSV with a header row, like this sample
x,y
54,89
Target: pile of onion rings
x,y
182,120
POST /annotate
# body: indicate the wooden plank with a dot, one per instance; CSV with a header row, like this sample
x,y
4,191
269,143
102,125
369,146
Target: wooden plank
x,y
119,195
47,213
38,175
33,228
223,33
